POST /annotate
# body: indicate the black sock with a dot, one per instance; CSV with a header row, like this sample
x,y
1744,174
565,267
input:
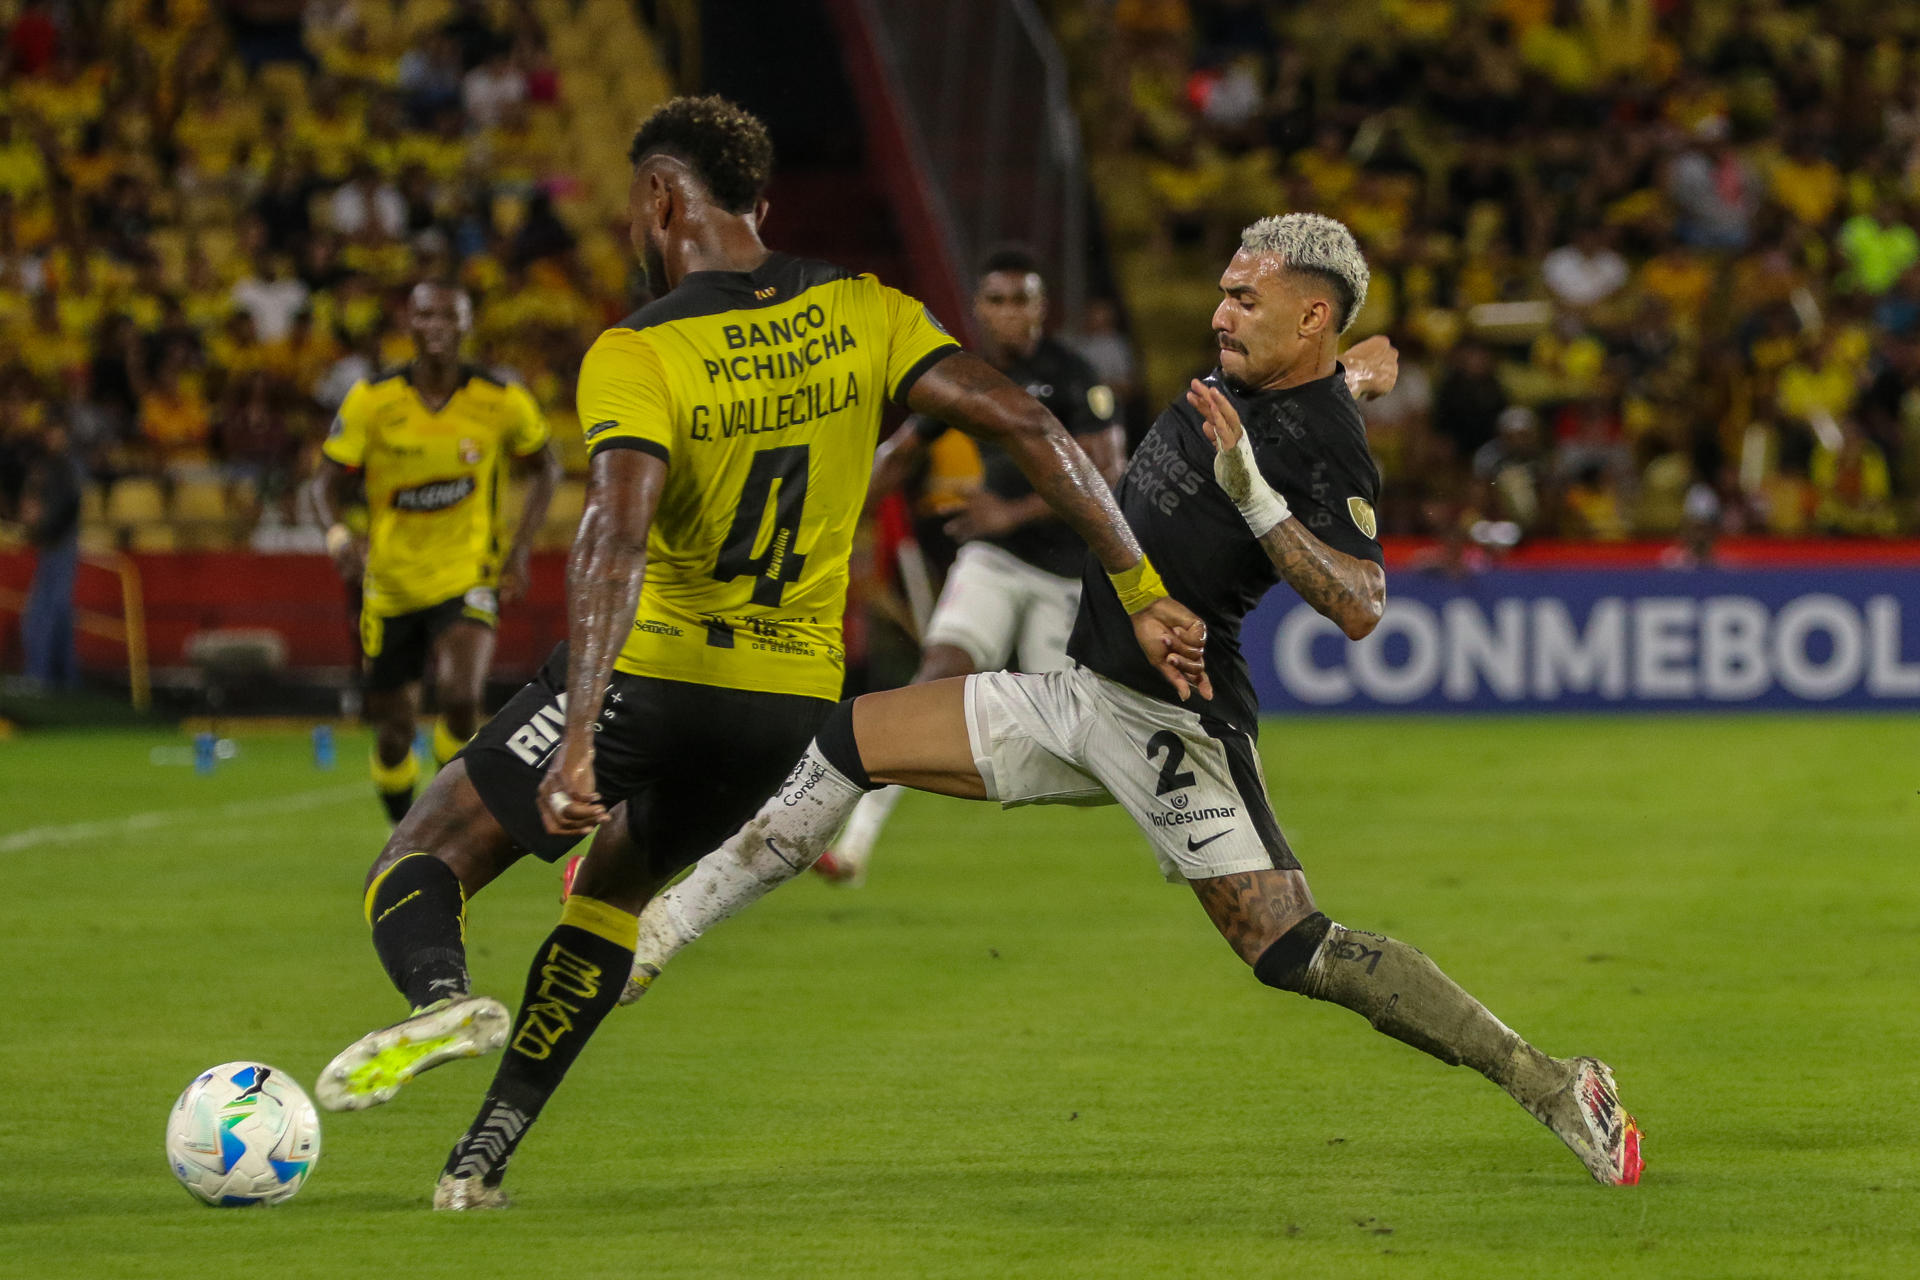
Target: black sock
x,y
417,911
576,978
396,804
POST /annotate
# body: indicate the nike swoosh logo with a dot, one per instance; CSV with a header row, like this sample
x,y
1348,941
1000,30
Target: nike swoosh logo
x,y
778,854
1192,847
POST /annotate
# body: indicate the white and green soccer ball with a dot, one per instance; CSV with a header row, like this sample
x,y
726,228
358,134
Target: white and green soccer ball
x,y
243,1134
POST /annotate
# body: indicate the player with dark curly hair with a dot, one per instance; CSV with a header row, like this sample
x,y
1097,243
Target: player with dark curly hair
x,y
731,426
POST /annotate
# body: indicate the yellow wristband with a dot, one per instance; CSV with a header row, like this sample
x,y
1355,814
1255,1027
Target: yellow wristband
x,y
1139,586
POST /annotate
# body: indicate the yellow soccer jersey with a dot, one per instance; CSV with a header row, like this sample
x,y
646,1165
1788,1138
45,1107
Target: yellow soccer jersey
x,y
763,392
433,481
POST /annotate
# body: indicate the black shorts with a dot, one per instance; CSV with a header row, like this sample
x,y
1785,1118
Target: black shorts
x,y
692,761
397,647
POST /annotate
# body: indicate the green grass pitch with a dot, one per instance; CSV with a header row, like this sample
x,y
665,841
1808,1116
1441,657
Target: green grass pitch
x,y
1016,1052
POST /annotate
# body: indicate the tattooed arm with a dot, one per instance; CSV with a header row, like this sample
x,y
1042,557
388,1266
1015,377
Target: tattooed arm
x,y
1346,589
604,572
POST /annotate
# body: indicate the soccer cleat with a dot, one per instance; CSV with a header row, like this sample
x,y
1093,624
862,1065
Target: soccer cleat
x,y
459,1194
371,1070
841,868
638,981
1586,1115
567,873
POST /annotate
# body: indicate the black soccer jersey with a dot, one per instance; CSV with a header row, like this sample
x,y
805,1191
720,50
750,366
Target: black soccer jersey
x,y
1066,384
1311,446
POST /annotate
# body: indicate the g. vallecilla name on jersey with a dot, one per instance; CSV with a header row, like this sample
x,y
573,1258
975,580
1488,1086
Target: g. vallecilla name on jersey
x,y
774,413
436,495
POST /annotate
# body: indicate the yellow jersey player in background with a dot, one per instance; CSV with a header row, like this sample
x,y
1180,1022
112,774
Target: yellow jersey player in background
x,y
732,425
430,445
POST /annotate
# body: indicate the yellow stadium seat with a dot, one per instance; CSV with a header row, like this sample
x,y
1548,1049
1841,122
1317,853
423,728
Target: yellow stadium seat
x,y
200,502
136,500
153,537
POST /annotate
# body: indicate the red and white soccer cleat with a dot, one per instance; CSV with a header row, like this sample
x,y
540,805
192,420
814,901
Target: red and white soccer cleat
x,y
1597,1128
567,873
836,869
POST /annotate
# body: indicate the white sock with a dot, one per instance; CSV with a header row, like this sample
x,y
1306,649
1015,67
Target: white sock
x,y
855,844
786,837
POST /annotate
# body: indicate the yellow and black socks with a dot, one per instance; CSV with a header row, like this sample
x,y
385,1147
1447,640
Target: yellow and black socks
x,y
576,978
446,743
395,783
418,913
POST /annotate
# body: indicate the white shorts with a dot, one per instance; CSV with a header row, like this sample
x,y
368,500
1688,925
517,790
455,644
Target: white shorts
x,y
1193,785
997,608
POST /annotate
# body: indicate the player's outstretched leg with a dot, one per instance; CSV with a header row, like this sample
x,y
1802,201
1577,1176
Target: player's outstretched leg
x,y
446,849
1269,918
846,862
916,736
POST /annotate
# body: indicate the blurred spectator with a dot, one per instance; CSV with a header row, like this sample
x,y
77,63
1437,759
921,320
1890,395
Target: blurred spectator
x,y
367,206
175,423
1716,190
272,300
256,445
1852,488
1511,469
1101,343
1466,408
487,91
50,510
1879,248
32,39
1585,272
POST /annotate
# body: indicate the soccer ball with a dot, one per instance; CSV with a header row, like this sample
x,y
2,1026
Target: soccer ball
x,y
243,1134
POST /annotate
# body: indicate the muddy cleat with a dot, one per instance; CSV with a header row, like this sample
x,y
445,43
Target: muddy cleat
x,y
1587,1115
459,1194
371,1070
638,981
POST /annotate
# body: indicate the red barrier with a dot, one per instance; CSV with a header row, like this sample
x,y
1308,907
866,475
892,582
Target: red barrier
x,y
302,598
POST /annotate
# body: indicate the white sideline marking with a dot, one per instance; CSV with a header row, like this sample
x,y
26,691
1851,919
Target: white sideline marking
x,y
154,819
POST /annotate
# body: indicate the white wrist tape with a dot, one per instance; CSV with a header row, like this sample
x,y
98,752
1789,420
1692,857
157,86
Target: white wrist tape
x,y
1238,474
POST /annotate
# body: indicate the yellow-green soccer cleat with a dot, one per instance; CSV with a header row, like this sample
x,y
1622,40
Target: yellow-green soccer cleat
x,y
458,1194
371,1070
638,981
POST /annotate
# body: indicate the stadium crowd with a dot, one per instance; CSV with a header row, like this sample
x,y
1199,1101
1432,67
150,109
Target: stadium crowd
x,y
211,212
1651,263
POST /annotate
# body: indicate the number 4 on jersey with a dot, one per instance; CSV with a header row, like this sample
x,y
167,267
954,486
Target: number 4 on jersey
x,y
780,563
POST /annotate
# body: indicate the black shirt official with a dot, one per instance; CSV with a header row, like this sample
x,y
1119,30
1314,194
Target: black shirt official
x,y
1311,446
1066,384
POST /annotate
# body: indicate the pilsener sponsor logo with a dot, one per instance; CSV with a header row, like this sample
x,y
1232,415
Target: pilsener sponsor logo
x,y
436,495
